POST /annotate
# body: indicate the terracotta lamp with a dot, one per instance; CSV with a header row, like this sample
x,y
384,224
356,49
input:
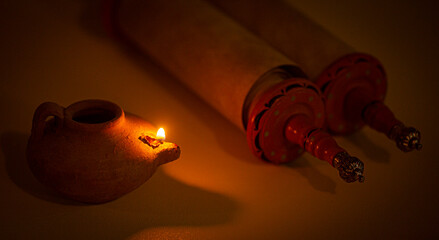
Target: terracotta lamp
x,y
94,152
250,83
353,83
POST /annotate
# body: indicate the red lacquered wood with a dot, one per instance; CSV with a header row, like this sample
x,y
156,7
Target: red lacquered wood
x,y
361,106
288,119
271,113
350,73
354,87
320,144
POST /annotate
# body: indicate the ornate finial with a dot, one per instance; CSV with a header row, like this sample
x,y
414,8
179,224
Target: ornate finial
x,y
406,138
350,168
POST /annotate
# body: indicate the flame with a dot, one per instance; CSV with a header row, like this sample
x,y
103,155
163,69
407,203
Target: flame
x,y
161,134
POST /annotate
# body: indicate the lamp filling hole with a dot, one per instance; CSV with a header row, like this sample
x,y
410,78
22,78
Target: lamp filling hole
x,y
93,116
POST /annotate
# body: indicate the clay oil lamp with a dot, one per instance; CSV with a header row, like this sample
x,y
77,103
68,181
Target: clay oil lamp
x,y
94,152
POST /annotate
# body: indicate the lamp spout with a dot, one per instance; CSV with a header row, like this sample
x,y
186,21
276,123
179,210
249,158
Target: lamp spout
x,y
167,152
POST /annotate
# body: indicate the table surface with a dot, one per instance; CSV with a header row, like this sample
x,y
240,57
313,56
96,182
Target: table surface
x,y
56,51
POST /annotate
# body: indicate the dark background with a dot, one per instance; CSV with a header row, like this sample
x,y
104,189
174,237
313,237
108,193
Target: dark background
x,y
57,51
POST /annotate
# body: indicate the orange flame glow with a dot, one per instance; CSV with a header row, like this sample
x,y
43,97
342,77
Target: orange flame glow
x,y
160,134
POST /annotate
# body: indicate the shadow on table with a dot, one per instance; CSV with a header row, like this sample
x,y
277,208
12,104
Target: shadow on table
x,y
316,179
164,201
370,149
13,145
161,201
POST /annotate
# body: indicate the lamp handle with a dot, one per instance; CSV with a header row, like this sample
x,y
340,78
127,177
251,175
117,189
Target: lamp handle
x,y
41,118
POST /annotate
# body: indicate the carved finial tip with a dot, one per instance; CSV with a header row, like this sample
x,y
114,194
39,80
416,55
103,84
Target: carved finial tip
x,y
350,168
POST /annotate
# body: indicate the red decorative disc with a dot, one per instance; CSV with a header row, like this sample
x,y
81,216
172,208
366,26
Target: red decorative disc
x,y
355,71
268,118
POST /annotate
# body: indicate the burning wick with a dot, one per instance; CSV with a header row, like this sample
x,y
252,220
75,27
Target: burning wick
x,y
154,141
160,134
